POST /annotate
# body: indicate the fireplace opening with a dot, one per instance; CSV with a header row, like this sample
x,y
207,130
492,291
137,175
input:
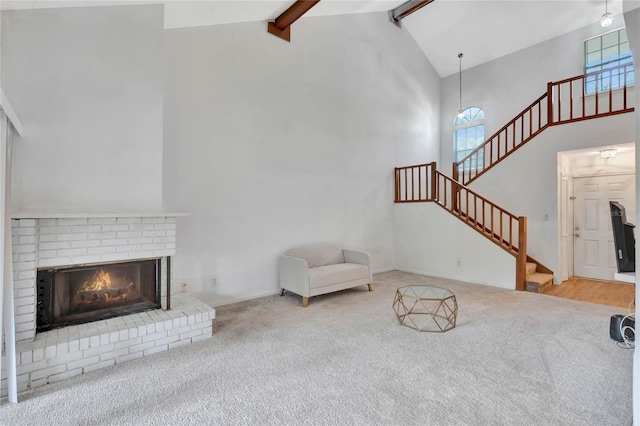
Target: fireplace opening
x,y
80,294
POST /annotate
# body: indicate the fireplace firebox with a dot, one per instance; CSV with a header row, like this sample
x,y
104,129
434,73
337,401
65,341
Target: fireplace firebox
x,y
87,293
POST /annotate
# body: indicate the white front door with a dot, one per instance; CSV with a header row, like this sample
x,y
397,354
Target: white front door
x,y
594,252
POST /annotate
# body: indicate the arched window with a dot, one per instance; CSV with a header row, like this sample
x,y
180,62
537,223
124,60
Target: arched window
x,y
468,132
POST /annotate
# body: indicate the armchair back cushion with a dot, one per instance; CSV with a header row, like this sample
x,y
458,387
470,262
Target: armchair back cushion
x,y
318,254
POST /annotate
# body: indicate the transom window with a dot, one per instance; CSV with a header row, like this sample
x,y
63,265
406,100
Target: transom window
x,y
468,132
606,51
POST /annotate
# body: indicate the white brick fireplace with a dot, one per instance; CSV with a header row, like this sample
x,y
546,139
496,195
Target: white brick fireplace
x,y
65,240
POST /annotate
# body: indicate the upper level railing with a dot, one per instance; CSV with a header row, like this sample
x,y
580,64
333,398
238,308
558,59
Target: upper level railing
x,y
593,95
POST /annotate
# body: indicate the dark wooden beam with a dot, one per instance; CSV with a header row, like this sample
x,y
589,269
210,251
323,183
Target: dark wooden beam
x,y
406,9
283,34
281,27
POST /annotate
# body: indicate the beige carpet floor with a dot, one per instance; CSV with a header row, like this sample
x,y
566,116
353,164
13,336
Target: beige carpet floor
x,y
514,358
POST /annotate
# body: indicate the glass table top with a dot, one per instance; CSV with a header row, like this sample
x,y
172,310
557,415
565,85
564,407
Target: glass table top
x,y
425,292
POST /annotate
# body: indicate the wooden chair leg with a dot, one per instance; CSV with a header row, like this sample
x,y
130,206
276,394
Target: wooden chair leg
x,y
370,288
305,302
281,292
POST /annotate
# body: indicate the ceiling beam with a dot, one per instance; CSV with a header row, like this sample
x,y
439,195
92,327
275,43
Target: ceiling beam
x,y
281,27
405,9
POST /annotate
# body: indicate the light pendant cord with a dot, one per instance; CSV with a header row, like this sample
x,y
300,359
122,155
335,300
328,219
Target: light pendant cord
x,y
460,112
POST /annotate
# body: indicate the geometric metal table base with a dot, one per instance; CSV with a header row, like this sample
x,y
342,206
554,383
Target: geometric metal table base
x,y
426,308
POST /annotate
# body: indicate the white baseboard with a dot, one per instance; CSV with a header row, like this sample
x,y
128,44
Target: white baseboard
x,y
450,277
215,302
230,300
379,271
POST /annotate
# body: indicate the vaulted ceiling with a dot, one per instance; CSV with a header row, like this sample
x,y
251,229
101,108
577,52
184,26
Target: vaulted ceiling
x,y
481,29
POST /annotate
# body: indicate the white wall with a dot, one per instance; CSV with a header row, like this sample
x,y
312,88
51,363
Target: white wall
x,y
0,46
431,241
87,85
270,144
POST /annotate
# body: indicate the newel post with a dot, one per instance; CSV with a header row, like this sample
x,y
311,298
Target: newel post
x,y
521,258
396,178
455,174
550,103
434,195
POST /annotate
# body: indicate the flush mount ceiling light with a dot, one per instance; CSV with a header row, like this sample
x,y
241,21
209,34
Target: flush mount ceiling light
x,y
608,153
460,110
607,18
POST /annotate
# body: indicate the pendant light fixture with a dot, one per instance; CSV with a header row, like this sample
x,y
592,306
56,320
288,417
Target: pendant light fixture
x,y
608,153
460,110
607,18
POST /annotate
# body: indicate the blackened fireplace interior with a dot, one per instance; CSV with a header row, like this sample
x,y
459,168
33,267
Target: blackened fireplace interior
x,y
76,295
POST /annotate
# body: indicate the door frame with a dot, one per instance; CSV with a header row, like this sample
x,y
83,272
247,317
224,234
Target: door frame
x,y
566,256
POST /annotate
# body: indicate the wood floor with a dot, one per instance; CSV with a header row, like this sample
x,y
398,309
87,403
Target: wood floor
x,y
595,291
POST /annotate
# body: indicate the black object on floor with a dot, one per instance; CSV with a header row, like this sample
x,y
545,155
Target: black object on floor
x,y
618,322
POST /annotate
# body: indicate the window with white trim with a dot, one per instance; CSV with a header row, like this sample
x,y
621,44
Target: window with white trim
x,y
468,133
605,51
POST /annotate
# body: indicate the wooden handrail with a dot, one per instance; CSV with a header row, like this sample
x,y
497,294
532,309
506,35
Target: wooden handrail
x,y
533,119
503,128
591,74
505,141
494,222
472,192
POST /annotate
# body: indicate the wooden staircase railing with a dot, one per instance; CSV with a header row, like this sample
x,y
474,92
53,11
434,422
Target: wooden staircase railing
x,y
424,183
566,101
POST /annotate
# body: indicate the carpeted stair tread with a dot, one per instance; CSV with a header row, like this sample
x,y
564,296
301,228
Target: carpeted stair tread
x,y
531,268
539,277
538,281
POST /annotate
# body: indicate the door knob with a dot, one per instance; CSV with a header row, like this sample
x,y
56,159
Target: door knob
x,y
577,235
577,228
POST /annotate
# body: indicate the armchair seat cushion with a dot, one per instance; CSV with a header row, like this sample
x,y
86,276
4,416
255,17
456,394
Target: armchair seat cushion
x,y
322,276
